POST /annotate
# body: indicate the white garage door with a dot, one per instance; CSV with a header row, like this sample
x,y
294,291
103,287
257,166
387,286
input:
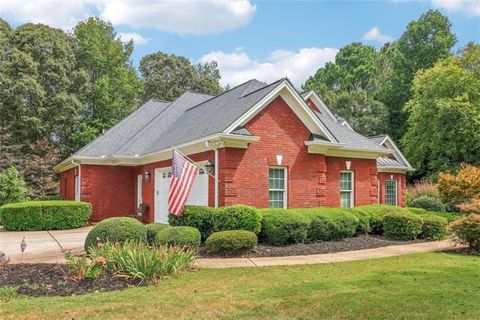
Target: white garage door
x,y
198,196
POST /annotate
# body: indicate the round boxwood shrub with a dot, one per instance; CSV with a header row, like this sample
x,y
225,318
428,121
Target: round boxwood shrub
x,y
433,227
45,215
179,236
199,217
281,227
428,203
401,225
153,229
118,229
237,218
467,231
329,224
231,242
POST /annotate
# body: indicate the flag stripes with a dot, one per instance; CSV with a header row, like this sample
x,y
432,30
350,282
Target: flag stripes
x,y
183,176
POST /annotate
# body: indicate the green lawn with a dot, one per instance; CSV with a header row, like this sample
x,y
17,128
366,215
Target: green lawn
x,y
420,286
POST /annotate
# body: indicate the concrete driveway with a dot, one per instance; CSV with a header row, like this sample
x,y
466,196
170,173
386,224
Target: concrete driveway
x,y
42,246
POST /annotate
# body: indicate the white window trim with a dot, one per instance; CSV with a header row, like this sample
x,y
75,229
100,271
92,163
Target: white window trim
x,y
352,192
285,189
396,191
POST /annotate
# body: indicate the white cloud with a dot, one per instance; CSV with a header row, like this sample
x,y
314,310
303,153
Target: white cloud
x,y
196,17
237,67
374,34
470,8
137,38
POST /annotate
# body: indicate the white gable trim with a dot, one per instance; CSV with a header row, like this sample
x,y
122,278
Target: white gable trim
x,y
294,101
320,104
397,152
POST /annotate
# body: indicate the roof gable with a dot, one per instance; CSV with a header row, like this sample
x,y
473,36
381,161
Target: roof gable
x,y
399,161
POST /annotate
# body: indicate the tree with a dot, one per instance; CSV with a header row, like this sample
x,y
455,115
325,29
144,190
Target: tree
x,y
366,115
444,120
12,187
425,41
112,85
166,77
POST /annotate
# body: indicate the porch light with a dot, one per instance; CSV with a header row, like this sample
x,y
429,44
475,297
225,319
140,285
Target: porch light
x,y
210,166
147,175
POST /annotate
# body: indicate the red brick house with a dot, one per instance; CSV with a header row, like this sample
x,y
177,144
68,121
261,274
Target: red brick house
x,y
266,145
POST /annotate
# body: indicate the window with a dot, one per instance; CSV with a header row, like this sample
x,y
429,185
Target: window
x,y
277,187
346,189
139,190
391,192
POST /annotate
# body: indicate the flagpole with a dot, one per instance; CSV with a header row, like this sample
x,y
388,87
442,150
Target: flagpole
x,y
193,162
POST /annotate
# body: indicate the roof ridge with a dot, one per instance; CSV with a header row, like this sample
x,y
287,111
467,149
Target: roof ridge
x,y
267,85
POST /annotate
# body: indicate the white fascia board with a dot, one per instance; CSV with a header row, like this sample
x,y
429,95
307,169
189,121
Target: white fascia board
x,y
339,150
397,150
393,170
320,104
285,84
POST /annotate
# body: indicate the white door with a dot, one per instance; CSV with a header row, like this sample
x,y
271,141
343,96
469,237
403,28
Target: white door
x,y
198,195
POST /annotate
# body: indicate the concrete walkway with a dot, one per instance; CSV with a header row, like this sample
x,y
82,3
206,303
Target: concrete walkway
x,y
50,246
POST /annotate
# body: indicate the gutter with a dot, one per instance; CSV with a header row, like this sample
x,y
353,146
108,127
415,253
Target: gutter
x,y
79,180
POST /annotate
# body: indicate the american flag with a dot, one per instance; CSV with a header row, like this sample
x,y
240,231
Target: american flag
x,y
183,176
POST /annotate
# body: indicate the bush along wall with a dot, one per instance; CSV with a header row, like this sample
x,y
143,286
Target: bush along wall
x,y
45,215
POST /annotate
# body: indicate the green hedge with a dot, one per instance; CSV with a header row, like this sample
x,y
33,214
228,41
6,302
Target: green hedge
x,y
433,227
118,229
281,227
328,224
467,231
402,225
179,236
208,220
374,215
153,229
45,215
428,203
231,242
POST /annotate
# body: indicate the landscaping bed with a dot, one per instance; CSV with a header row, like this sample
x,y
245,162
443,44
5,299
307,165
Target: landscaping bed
x,y
37,280
349,244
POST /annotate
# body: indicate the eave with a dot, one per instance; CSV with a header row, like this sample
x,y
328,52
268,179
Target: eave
x,y
340,150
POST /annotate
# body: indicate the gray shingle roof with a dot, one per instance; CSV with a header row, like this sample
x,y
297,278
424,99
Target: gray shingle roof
x,y
388,163
348,137
378,139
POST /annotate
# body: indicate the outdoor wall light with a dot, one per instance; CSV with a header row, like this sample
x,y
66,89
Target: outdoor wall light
x,y
147,175
210,166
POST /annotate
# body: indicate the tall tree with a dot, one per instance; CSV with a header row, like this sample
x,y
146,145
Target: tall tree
x,y
444,121
425,41
166,77
112,83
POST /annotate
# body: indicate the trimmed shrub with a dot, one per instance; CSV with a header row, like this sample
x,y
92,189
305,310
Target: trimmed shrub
x,y
329,224
115,230
467,231
45,215
374,214
153,229
198,217
433,227
364,221
460,188
417,210
179,236
231,242
237,218
281,227
428,203
402,226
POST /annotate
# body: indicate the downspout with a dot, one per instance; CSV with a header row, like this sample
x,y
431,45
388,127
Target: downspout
x,y
217,169
79,180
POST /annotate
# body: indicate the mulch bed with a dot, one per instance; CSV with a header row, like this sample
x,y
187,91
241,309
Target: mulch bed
x,y
51,280
348,244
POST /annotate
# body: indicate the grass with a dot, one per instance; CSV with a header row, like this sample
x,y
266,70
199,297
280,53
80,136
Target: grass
x,y
419,286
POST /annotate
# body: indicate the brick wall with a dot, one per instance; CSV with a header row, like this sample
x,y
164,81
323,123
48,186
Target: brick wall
x,y
401,186
67,184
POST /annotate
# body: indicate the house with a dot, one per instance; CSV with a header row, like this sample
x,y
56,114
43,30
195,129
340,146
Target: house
x,y
266,145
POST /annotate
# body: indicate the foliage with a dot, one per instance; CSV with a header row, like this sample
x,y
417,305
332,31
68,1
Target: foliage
x,y
444,121
208,220
179,236
80,266
12,186
115,230
329,224
166,77
423,189
281,227
423,43
138,261
402,226
467,231
153,229
472,207
231,242
45,215
460,188
375,213
433,227
428,203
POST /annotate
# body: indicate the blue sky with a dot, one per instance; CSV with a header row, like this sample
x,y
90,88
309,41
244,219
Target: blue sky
x,y
248,38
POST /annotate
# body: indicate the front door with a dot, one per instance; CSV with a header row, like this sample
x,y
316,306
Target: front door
x,y
198,195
